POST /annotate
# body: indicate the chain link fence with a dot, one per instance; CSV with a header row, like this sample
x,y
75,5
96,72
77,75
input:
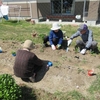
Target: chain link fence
x,y
84,10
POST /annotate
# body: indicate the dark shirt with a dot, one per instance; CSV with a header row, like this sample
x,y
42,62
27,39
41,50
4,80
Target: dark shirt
x,y
57,35
26,64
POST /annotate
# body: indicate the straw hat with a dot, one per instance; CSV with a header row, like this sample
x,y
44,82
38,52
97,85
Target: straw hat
x,y
55,26
28,44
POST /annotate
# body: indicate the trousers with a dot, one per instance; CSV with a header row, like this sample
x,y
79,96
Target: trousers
x,y
82,45
55,42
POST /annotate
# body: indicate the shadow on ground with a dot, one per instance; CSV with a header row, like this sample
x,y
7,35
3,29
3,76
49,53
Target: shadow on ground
x,y
28,93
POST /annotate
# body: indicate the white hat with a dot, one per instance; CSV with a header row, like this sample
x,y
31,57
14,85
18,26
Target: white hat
x,y
28,44
55,26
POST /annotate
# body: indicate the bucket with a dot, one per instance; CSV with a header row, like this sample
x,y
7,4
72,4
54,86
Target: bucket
x,y
90,72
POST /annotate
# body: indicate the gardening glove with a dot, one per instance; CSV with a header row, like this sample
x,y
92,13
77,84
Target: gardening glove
x,y
67,49
69,42
53,47
58,46
83,51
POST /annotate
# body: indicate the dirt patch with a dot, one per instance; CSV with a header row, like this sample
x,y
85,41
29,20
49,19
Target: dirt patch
x,y
69,70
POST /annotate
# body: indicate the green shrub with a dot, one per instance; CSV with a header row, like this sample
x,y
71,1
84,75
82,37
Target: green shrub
x,y
9,90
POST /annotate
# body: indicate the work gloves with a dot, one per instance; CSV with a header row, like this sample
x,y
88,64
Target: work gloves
x,y
58,46
53,47
69,42
83,51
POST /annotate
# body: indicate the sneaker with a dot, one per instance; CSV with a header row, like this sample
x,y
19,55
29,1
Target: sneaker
x,y
25,79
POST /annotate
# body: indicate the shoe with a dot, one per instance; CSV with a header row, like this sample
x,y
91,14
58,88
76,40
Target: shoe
x,y
94,50
45,45
32,79
25,79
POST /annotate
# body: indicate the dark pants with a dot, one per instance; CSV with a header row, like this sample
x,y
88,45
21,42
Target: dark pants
x,y
36,70
46,39
5,17
55,42
82,45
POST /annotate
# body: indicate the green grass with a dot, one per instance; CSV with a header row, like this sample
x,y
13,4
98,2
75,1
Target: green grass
x,y
43,95
74,95
20,31
95,87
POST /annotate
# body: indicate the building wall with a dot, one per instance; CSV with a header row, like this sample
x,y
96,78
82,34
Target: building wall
x,y
25,9
43,1
41,8
99,13
79,6
83,0
44,9
31,9
93,10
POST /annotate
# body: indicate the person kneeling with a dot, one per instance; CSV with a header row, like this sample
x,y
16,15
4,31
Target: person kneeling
x,y
55,37
27,64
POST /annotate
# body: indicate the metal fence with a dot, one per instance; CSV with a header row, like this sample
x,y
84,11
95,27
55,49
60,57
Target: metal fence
x,y
80,10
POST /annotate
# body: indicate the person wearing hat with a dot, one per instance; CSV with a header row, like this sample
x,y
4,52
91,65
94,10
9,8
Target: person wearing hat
x,y
27,64
87,41
55,37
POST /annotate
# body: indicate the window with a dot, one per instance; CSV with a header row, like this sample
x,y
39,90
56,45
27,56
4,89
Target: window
x,y
62,6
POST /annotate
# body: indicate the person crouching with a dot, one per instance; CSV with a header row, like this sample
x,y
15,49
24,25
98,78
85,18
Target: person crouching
x,y
27,64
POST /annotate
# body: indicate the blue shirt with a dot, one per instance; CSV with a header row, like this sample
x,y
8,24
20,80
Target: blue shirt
x,y
86,37
58,35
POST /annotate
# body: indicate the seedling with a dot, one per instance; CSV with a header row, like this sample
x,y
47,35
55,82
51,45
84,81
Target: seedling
x,y
42,49
80,70
76,49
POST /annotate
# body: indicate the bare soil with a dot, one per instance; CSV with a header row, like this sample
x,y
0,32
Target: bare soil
x,y
69,70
